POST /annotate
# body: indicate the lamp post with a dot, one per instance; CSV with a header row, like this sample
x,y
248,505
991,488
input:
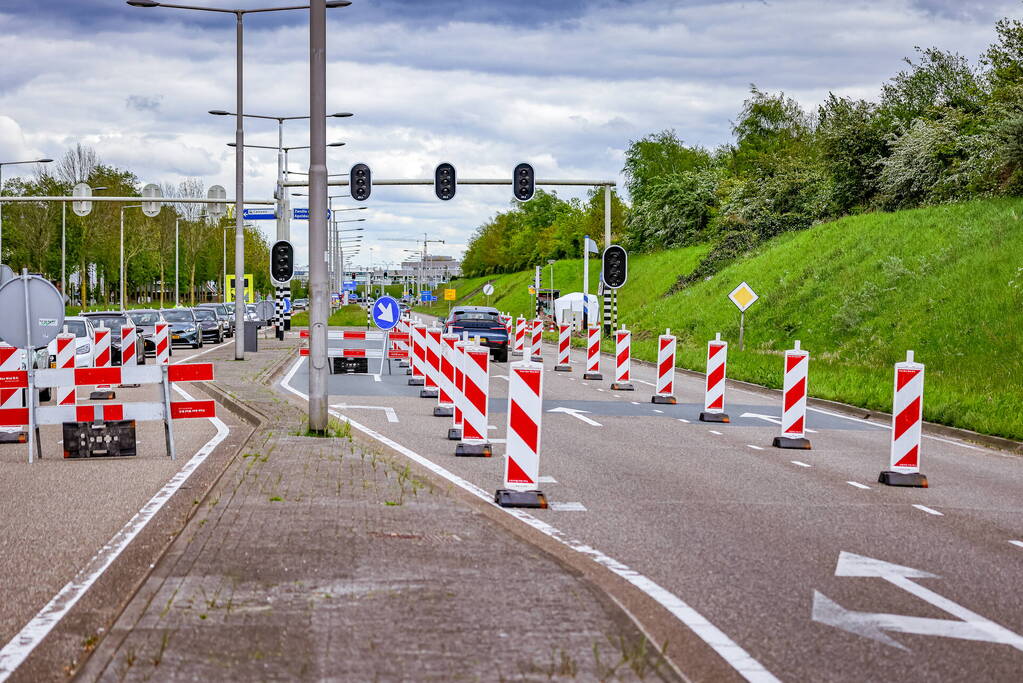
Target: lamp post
x,y
551,262
121,258
11,163
63,246
239,138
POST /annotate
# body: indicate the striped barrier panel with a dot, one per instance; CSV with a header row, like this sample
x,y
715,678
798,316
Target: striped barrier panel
x,y
475,398
665,387
907,426
564,348
714,393
593,353
793,411
623,361
522,454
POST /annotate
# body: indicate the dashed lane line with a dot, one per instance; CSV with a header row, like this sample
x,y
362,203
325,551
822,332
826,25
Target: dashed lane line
x,y
857,484
756,448
800,463
930,511
567,507
714,431
1018,544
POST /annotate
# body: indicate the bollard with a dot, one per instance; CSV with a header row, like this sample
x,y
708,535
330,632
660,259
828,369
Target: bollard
x,y
520,336
536,338
714,396
593,353
793,411
446,377
623,361
664,389
103,392
161,337
458,357
431,367
418,356
907,423
564,344
475,397
522,454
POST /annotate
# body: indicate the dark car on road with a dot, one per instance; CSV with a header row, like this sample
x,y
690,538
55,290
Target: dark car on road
x,y
145,320
225,314
483,322
184,328
115,320
207,321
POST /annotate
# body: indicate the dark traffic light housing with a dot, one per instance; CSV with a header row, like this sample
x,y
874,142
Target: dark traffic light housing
x,y
615,267
282,261
444,181
523,182
361,182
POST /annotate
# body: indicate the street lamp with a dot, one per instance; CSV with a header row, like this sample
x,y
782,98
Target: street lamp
x,y
63,246
11,163
130,206
551,262
239,137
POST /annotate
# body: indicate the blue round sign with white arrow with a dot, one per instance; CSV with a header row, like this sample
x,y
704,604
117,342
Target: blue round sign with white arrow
x,y
386,312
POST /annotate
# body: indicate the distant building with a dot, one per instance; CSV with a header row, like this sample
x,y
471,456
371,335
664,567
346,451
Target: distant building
x,y
432,270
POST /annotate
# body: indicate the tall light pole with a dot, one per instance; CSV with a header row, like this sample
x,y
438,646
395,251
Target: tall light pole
x,y
121,258
239,138
11,163
63,246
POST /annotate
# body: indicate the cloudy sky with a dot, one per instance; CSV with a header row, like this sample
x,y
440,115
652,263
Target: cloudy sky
x,y
484,84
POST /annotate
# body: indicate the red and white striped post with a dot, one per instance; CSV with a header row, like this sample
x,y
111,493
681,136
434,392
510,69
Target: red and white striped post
x,y
475,395
446,377
522,455
458,359
564,346
907,425
418,355
161,339
793,410
714,395
65,361
664,390
520,336
103,392
536,338
431,368
623,361
10,361
593,353
129,348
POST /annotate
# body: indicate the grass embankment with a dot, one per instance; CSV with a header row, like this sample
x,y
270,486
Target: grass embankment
x,y
944,281
352,315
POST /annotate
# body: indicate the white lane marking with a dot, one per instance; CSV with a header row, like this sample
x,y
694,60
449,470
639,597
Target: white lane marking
x,y
756,448
376,378
577,414
548,480
714,431
774,420
20,646
857,484
1017,543
801,464
658,411
619,396
682,419
392,416
635,403
567,507
889,427
643,381
600,390
728,649
200,353
930,511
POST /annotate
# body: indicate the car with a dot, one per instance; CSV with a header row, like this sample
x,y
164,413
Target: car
x,y
404,307
300,304
145,320
225,313
85,339
184,328
483,322
211,326
115,320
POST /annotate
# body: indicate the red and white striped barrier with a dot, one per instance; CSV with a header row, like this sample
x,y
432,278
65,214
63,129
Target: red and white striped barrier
x,y
793,410
623,361
161,338
418,340
129,346
593,353
103,359
907,425
458,360
446,377
361,335
564,348
714,395
475,395
361,353
522,455
535,340
10,398
664,389
431,368
403,342
507,320
520,336
65,360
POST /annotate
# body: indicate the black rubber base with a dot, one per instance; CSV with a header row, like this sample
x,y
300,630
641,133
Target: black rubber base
x,y
403,364
507,498
563,368
102,395
536,359
914,479
416,381
714,417
664,400
128,386
622,386
443,411
789,442
428,393
593,375
454,434
477,450
13,437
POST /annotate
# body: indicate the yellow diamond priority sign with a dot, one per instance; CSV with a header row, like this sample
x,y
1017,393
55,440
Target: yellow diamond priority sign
x,y
743,296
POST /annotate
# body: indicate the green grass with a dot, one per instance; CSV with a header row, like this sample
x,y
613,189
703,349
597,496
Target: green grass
x,y
352,315
944,281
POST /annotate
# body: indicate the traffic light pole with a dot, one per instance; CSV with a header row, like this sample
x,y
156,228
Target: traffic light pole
x,y
317,216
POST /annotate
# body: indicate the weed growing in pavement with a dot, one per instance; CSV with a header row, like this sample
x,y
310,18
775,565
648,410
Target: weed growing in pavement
x,y
89,643
163,648
275,499
336,429
637,655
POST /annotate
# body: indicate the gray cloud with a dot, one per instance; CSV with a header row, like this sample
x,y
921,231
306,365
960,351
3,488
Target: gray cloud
x,y
143,102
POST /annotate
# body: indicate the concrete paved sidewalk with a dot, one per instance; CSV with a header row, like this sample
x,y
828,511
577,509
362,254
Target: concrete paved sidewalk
x,y
324,558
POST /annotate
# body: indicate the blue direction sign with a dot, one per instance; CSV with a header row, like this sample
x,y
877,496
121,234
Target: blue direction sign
x,y
427,297
386,312
303,214
348,286
266,214
287,304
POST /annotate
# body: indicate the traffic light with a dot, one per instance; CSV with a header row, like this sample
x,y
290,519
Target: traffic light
x,y
615,267
444,181
361,182
282,261
523,182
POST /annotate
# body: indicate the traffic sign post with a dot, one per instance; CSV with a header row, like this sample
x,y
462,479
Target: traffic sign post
x,y
386,314
743,297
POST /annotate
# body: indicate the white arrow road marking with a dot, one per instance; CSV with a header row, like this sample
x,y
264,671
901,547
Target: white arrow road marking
x,y
775,420
969,626
388,411
575,413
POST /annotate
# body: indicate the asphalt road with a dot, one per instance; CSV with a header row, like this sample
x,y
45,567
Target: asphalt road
x,y
766,544
59,513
